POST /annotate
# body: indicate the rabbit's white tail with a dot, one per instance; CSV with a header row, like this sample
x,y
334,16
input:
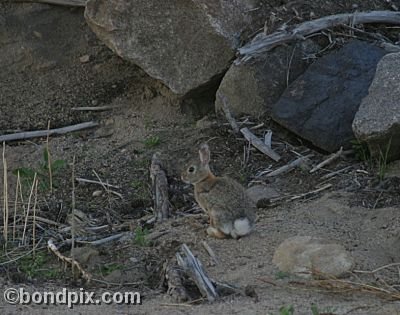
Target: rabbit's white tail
x,y
241,227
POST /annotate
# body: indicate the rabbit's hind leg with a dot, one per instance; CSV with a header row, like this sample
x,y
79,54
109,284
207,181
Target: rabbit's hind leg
x,y
215,232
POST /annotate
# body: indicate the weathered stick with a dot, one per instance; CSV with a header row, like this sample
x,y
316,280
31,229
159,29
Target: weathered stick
x,y
193,267
312,192
103,240
44,133
256,142
210,252
288,167
331,158
329,175
52,247
160,189
174,280
263,43
84,180
68,3
93,108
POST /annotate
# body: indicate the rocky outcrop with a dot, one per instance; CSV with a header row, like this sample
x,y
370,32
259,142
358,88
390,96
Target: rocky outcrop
x,y
186,44
253,88
377,121
306,256
320,105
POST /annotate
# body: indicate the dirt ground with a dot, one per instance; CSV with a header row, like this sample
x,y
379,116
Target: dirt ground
x,y
46,79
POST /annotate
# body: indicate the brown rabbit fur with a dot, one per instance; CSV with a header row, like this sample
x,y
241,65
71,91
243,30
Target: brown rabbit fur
x,y
231,211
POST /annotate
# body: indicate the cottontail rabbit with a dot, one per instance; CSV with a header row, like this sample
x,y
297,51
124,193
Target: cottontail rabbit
x,y
231,210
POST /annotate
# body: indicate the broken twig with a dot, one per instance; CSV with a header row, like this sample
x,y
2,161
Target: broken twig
x,y
210,252
84,180
330,159
312,192
44,133
52,247
288,167
257,143
93,108
68,3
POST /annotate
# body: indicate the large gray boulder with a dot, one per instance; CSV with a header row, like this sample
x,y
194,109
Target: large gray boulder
x,y
186,44
254,87
308,256
320,105
377,121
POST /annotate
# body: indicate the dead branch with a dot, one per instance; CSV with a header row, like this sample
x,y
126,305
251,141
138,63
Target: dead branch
x,y
210,252
84,180
228,113
104,240
329,175
160,189
257,143
288,167
263,43
193,267
93,108
52,247
330,159
44,133
312,192
68,3
173,275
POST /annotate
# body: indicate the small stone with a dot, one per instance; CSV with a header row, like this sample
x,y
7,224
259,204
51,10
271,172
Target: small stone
x,y
97,193
308,256
95,102
84,59
37,34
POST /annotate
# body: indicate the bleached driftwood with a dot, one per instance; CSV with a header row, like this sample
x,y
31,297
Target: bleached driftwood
x,y
257,143
263,43
68,3
160,189
194,269
330,159
45,133
290,166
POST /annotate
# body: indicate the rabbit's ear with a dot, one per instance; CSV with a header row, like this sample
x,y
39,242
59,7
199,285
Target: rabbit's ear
x,y
204,154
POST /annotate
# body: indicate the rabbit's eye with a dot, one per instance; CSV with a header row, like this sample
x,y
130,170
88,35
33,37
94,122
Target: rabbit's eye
x,y
191,169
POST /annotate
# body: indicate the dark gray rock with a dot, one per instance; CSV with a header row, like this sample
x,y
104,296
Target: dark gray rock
x,y
377,121
253,88
186,44
320,105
